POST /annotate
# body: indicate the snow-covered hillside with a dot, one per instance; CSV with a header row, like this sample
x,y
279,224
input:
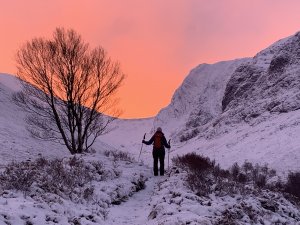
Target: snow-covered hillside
x,y
15,141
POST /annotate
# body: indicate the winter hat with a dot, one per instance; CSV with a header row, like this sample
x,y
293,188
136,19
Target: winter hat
x,y
159,129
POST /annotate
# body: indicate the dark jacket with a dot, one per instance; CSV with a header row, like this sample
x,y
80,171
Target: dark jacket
x,y
164,141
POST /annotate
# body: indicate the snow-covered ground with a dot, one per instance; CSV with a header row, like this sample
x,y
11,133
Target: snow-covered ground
x,y
114,180
137,209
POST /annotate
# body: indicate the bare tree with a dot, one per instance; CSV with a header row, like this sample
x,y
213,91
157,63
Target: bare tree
x,y
67,88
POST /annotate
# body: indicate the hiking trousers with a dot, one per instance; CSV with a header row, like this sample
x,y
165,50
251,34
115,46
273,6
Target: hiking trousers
x,y
158,155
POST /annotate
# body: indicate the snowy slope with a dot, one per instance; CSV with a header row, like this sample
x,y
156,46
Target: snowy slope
x,y
127,135
267,84
15,141
17,144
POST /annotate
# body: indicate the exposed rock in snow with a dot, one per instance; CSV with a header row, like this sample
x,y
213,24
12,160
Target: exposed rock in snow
x,y
268,83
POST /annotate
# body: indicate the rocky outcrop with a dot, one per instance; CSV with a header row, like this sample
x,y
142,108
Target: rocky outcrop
x,y
270,83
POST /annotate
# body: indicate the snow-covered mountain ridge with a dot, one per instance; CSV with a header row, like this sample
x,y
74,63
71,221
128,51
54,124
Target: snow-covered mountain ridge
x,y
236,91
239,110
268,83
198,100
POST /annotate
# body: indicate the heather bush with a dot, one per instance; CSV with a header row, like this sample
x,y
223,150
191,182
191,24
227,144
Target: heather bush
x,y
256,175
235,171
205,176
189,135
18,176
119,155
194,162
199,172
292,185
90,183
65,177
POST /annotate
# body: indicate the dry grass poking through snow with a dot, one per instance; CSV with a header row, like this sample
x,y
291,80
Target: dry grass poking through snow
x,y
74,190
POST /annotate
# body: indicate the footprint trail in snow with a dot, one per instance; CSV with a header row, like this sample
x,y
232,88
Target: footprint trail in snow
x,y
135,211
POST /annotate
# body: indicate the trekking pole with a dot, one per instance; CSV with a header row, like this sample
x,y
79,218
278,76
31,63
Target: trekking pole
x,y
169,155
141,148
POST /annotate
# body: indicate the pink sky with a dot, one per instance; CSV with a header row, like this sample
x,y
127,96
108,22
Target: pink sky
x,y
156,41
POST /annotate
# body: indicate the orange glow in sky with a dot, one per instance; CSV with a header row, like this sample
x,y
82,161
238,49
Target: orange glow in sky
x,y
157,42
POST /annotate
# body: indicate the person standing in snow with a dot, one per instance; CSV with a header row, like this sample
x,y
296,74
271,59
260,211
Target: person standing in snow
x,y
159,143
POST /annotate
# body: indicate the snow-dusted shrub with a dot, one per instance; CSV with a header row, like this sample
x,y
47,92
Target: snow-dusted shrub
x,y
292,185
139,183
203,176
199,172
72,190
18,176
65,177
248,173
235,171
119,155
189,135
247,167
194,162
242,178
220,173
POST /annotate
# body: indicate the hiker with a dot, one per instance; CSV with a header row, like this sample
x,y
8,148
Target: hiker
x,y
159,143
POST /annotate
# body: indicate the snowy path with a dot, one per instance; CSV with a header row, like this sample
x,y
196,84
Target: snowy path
x,y
136,210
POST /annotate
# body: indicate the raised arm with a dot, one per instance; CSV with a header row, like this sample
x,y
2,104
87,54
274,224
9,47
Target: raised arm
x,y
149,142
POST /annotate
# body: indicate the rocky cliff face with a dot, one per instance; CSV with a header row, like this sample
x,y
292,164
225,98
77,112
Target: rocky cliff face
x,y
269,83
249,90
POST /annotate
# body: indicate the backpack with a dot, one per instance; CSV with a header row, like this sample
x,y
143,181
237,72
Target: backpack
x,y
158,140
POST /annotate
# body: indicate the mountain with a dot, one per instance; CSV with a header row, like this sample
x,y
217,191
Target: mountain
x,y
245,109
268,84
238,90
